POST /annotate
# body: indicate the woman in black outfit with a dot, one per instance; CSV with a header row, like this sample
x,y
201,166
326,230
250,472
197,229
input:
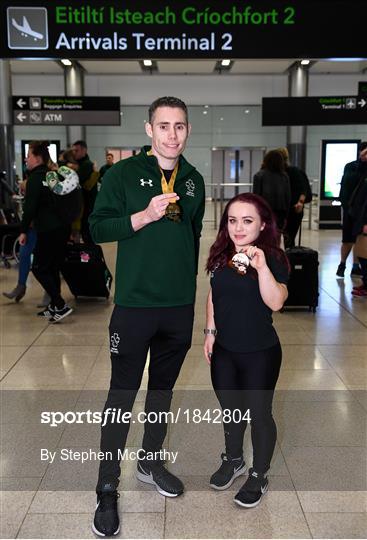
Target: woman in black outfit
x,y
52,232
272,183
249,273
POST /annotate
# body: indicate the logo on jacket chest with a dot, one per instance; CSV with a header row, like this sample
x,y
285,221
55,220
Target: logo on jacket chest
x,y
190,187
148,182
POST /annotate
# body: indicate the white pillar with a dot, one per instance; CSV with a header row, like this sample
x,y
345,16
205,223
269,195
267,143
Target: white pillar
x,y
74,86
297,135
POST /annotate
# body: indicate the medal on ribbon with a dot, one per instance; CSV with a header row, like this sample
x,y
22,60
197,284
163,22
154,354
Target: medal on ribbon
x,y
173,210
240,262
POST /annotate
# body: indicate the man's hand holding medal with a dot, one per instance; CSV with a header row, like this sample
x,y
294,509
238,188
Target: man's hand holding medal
x,y
163,205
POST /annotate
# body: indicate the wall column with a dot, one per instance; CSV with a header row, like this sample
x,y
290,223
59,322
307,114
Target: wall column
x,y
297,135
7,156
74,86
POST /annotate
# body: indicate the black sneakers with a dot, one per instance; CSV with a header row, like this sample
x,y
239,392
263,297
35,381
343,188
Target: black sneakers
x,y
59,314
155,473
106,518
55,315
230,469
356,271
341,269
252,490
48,312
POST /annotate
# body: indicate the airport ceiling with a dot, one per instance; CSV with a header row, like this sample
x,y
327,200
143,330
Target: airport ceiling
x,y
187,67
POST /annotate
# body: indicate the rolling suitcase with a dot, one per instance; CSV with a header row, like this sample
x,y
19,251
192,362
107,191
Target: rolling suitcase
x,y
303,284
85,271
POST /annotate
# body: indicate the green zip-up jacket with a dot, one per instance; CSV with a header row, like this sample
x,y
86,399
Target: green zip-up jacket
x,y
38,204
156,266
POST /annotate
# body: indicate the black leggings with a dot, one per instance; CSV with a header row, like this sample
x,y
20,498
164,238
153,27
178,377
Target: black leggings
x,y
48,256
246,381
167,333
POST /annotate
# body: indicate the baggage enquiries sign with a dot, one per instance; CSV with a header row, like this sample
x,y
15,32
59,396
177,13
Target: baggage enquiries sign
x,y
202,29
69,111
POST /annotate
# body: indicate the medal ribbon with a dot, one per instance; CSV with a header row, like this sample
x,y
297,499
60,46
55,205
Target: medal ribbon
x,y
167,187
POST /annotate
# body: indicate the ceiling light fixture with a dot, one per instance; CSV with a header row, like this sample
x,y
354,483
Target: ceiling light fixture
x,y
345,59
148,66
223,66
66,62
305,62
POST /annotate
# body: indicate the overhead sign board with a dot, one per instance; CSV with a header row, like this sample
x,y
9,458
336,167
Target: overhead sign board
x,y
186,29
314,111
362,88
63,110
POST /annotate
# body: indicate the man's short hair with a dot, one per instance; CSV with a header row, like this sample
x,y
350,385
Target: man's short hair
x,y
109,154
167,101
81,143
362,146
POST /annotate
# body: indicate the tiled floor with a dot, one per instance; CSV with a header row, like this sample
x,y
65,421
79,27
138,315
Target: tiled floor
x,y
318,475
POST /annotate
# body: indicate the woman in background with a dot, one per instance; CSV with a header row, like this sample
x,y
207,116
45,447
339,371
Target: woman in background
x,y
272,183
52,232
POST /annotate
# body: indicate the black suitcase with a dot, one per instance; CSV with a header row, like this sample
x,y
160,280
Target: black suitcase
x,y
86,272
303,284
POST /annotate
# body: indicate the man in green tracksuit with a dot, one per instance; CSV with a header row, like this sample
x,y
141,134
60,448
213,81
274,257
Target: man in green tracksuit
x,y
152,204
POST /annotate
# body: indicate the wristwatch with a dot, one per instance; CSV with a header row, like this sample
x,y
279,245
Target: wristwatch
x,y
210,331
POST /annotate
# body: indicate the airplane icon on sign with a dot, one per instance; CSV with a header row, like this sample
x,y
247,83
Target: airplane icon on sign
x,y
26,30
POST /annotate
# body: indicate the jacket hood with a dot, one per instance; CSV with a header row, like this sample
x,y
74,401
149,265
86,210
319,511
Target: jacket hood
x,y
184,167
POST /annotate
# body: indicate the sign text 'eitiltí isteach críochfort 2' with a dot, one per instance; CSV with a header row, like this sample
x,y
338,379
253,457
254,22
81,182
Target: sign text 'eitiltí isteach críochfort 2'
x,y
216,29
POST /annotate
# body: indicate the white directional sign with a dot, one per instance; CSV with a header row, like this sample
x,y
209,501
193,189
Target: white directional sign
x,y
21,117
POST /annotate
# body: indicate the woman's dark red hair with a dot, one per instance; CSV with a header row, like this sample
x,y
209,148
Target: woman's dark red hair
x,y
268,240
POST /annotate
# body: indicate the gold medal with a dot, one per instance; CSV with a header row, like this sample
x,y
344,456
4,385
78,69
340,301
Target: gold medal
x,y
173,212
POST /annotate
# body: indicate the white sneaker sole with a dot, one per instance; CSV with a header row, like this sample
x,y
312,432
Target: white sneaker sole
x,y
238,473
59,318
98,533
251,505
148,479
101,534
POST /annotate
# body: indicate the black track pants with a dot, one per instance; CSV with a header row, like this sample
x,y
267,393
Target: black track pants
x,y
246,381
167,332
48,256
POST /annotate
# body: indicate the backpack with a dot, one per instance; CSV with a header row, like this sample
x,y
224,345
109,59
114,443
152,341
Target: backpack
x,y
66,193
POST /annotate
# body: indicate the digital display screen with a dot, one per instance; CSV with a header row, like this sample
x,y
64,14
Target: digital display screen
x,y
53,151
53,148
335,155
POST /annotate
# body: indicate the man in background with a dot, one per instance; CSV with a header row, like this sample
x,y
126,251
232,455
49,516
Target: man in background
x,y
88,179
354,173
106,166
